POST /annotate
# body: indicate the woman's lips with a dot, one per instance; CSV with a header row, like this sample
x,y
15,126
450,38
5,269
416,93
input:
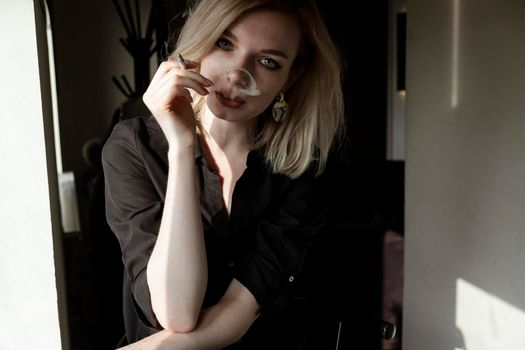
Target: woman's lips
x,y
228,102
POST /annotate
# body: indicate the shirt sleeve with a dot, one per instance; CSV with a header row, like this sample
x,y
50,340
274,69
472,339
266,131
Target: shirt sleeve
x,y
133,211
274,258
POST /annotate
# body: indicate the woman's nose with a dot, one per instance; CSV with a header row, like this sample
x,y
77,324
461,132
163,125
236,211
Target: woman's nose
x,y
239,77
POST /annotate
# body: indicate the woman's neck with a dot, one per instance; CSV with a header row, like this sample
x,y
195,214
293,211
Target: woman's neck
x,y
229,137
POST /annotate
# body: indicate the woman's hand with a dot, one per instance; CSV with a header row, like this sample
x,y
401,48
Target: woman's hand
x,y
169,100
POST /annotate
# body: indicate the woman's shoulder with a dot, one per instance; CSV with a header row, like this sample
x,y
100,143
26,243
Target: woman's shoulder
x,y
129,136
135,126
132,130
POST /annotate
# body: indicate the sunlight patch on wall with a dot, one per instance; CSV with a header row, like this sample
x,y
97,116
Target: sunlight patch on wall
x,y
487,322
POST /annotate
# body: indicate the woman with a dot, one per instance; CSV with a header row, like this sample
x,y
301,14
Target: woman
x,y
216,196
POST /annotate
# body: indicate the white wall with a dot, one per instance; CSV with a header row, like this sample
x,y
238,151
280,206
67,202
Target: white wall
x,y
29,215
465,175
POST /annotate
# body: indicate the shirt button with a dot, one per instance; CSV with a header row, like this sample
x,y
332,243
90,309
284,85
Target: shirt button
x,y
230,263
291,278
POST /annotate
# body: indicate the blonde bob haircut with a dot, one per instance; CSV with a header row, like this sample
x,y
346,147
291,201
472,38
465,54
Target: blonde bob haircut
x,y
315,121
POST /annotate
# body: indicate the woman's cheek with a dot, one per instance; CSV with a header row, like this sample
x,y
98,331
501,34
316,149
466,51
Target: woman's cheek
x,y
211,68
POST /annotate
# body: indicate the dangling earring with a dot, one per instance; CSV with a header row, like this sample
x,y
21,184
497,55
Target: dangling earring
x,y
280,108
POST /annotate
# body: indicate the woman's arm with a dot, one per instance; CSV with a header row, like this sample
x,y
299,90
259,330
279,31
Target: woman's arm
x,y
219,326
177,269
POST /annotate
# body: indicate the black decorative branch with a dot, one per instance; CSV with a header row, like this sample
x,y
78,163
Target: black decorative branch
x,y
141,48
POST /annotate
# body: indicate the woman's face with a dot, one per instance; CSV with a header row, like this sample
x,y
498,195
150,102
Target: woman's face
x,y
260,46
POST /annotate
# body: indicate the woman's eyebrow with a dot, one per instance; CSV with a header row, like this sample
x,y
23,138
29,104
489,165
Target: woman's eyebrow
x,y
230,35
274,52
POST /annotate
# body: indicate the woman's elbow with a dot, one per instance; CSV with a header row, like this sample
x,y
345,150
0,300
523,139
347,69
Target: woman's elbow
x,y
181,323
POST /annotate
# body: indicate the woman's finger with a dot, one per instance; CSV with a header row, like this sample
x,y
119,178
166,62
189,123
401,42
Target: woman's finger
x,y
164,67
185,80
165,94
171,63
182,62
171,100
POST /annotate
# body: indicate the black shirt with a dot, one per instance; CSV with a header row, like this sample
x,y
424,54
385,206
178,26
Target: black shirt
x,y
261,243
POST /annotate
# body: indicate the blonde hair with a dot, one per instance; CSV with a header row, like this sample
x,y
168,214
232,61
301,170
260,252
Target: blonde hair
x,y
315,121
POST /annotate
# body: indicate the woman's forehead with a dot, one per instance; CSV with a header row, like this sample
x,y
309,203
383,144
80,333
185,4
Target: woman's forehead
x,y
269,29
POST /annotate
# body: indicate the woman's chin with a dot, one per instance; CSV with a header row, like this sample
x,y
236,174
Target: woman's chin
x,y
218,111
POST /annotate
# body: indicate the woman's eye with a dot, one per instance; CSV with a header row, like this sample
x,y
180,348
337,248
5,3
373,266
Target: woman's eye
x,y
223,44
269,63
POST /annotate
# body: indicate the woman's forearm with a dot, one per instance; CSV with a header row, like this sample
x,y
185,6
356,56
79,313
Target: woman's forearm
x,y
177,269
219,326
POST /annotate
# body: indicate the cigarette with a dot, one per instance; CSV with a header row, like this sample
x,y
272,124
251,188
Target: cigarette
x,y
182,64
